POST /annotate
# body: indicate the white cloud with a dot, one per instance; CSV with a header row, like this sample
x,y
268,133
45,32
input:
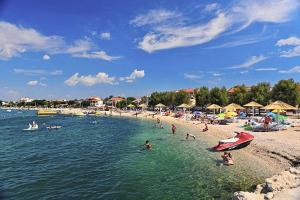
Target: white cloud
x,y
15,40
295,69
244,72
154,17
291,41
249,62
171,37
43,84
266,69
90,80
105,36
134,75
216,74
211,7
37,72
97,55
166,35
33,83
192,76
46,57
80,46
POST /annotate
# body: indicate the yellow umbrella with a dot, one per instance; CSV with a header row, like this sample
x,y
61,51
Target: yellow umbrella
x,y
214,107
277,111
253,104
279,105
233,107
131,106
230,114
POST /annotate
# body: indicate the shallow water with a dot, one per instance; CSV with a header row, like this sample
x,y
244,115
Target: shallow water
x,y
101,158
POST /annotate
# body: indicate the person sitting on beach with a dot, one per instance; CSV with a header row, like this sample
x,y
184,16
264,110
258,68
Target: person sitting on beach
x,y
173,128
206,128
227,158
188,135
148,145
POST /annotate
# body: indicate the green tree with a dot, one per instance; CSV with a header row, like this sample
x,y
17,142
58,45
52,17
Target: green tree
x,y
202,97
121,104
181,97
286,91
85,104
218,96
240,95
261,93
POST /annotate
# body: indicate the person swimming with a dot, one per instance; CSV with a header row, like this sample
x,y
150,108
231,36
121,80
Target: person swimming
x,y
148,145
189,135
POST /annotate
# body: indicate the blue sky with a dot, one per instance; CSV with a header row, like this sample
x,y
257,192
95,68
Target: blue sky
x,y
73,49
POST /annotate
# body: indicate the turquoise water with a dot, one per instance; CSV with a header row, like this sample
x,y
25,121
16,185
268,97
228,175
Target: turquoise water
x,y
101,158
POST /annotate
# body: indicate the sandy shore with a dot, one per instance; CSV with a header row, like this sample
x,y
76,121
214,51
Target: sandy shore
x,y
274,152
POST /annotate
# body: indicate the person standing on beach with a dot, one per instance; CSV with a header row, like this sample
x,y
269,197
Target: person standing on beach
x,y
206,128
173,128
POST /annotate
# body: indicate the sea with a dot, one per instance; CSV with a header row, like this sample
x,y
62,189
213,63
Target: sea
x,y
103,157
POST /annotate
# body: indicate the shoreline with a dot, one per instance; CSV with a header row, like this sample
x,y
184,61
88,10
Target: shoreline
x,y
280,161
274,152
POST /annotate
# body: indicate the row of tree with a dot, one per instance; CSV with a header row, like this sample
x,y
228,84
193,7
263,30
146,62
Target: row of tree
x,y
263,93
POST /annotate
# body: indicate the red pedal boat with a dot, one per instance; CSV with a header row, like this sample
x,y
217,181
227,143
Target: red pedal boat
x,y
241,140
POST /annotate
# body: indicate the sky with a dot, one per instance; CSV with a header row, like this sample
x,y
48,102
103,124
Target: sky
x,y
63,49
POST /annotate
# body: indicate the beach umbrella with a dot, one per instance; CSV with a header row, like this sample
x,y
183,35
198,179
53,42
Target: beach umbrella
x,y
253,104
230,114
130,106
221,115
160,106
184,106
233,107
279,105
214,107
278,111
143,106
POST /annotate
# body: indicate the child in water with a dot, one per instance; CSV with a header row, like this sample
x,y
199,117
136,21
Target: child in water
x,y
148,145
173,128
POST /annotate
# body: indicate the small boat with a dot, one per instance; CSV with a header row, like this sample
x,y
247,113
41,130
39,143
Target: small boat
x,y
9,110
53,127
46,112
32,127
242,139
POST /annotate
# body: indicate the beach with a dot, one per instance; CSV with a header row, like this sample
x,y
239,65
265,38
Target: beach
x,y
270,153
274,151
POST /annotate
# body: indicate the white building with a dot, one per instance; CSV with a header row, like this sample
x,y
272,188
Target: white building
x,y
26,100
95,101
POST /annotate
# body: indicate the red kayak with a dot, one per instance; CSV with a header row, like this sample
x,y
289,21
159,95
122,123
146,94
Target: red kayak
x,y
241,140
